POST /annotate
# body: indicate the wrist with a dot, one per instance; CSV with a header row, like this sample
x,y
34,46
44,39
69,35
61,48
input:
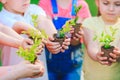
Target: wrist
x,y
10,74
14,72
20,43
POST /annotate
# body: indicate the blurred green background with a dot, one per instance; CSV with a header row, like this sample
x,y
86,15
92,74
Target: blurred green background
x,y
91,4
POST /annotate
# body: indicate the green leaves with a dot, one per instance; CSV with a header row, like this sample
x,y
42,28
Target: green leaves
x,y
72,22
105,39
28,54
35,20
77,9
61,33
36,36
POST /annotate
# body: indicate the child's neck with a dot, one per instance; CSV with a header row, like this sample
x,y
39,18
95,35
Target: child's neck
x,y
64,3
109,22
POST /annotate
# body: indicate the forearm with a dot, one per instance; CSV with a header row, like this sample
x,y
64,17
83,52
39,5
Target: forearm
x,y
21,26
10,41
8,73
92,47
92,53
10,32
47,25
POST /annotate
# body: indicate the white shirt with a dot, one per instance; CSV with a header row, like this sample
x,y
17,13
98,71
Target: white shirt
x,y
9,19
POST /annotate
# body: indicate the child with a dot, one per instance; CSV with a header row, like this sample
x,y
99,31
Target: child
x,y
109,16
8,37
67,65
21,11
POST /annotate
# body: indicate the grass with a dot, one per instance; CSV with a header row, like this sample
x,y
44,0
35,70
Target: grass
x,y
92,7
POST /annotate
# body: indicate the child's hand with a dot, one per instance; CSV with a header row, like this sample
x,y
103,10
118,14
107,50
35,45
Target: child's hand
x,y
27,70
77,35
76,39
40,48
101,59
53,47
39,63
65,44
115,55
26,43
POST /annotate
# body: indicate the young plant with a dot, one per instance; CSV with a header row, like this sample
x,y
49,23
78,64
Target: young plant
x,y
62,34
36,36
105,40
73,22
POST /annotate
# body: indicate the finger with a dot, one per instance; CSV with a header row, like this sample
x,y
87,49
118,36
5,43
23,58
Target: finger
x,y
72,30
49,43
55,51
112,60
62,50
54,47
64,47
38,52
113,56
100,56
51,38
66,41
76,38
104,62
117,52
29,41
65,44
44,41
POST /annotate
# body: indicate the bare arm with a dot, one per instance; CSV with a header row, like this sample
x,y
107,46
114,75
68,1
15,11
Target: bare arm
x,y
9,32
91,46
47,25
10,41
21,26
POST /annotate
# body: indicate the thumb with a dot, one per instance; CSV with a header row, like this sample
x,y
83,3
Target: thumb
x,y
29,41
51,38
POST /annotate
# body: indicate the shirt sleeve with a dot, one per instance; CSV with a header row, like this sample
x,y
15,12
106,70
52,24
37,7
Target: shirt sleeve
x,y
84,12
88,23
35,9
5,20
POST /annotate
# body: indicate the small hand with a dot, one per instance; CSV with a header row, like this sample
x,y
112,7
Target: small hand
x,y
65,44
53,47
101,59
77,35
26,43
115,55
27,70
40,48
